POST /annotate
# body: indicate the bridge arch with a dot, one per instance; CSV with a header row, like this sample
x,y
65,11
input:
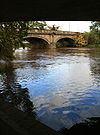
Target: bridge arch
x,y
65,42
37,37
38,42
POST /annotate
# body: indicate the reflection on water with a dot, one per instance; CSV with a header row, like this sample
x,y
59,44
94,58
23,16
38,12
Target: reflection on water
x,y
12,92
63,84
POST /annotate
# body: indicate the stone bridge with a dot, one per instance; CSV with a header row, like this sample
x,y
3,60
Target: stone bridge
x,y
51,37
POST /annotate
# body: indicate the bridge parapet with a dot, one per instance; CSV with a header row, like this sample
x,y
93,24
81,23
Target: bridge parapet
x,y
36,31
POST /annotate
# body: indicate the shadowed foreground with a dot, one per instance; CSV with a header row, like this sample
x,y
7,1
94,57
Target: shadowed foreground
x,y
90,126
16,122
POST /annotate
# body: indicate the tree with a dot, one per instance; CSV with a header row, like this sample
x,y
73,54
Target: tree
x,y
11,36
93,37
40,25
89,37
80,40
95,26
53,27
95,30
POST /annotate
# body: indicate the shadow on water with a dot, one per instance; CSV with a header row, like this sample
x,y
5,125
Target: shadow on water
x,y
90,126
13,93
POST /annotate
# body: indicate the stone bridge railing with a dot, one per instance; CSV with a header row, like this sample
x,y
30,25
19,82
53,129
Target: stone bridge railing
x,y
36,31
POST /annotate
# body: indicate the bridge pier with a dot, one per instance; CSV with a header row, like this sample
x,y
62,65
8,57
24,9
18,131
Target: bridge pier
x,y
52,45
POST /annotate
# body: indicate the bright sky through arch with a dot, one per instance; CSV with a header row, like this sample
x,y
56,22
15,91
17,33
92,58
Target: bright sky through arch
x,y
75,26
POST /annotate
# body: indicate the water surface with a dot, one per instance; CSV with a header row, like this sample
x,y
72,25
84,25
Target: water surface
x,y
63,84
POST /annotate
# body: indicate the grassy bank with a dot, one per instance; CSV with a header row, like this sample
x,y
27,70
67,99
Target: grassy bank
x,y
93,45
88,45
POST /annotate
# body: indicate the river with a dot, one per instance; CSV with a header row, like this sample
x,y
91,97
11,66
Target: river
x,y
62,86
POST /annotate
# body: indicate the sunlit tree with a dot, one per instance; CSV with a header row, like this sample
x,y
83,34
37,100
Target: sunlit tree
x,y
80,40
40,25
11,36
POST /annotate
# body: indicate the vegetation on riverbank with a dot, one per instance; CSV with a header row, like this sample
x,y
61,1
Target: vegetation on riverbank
x,y
90,39
80,40
93,45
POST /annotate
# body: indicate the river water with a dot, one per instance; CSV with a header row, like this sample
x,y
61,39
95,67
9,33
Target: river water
x,y
62,84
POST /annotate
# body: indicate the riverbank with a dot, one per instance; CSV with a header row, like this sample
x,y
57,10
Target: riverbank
x,y
93,45
88,45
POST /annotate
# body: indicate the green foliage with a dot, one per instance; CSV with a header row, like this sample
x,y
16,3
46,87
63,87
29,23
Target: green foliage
x,y
40,25
89,36
93,37
95,27
11,36
95,31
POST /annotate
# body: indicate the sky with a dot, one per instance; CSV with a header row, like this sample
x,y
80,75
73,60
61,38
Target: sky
x,y
75,26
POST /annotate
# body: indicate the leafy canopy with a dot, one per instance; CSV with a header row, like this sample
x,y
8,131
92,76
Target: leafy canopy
x,y
11,36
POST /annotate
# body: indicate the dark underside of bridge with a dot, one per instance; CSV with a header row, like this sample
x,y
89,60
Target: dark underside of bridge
x,y
65,42
37,43
50,10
